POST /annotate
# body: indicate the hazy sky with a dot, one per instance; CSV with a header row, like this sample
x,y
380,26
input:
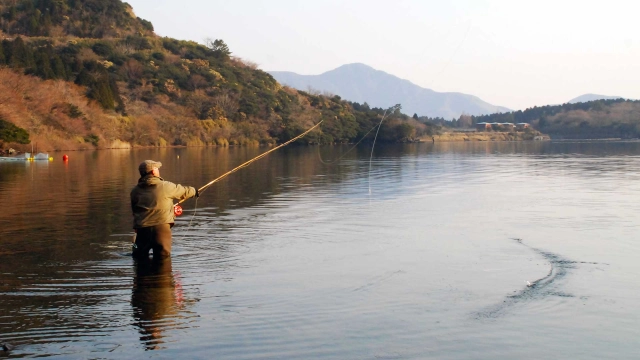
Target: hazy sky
x,y
510,53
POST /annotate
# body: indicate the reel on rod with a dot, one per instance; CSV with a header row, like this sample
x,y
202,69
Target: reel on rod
x,y
177,210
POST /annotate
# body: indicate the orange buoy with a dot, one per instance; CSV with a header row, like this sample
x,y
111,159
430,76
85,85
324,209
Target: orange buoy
x,y
65,157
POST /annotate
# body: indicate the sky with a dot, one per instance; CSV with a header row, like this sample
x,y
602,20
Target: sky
x,y
516,54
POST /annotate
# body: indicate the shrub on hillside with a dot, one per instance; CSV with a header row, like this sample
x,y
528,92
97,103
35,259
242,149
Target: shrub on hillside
x,y
13,134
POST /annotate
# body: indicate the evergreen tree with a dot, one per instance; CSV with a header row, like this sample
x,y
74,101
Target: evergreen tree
x,y
100,90
12,13
58,68
43,66
84,78
102,93
32,25
7,48
116,95
219,48
21,55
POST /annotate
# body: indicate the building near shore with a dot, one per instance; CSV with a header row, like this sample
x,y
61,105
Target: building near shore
x,y
483,126
507,126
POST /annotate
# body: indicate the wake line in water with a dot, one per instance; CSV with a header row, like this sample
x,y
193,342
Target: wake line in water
x,y
537,289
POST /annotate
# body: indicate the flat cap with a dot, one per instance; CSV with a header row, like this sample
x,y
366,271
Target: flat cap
x,y
148,165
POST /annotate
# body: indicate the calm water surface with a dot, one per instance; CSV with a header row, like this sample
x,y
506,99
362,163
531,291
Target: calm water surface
x,y
296,257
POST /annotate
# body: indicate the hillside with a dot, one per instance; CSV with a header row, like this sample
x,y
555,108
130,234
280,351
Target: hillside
x,y
362,83
598,119
90,73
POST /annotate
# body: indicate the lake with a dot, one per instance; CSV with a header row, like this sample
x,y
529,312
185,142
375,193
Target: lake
x,y
446,250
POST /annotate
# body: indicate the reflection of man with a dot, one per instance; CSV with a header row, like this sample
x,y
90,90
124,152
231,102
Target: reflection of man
x,y
152,206
155,299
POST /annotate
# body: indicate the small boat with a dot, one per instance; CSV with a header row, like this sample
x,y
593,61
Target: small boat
x,y
21,157
26,157
41,156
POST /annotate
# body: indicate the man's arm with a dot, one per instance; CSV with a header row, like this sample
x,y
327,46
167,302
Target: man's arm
x,y
177,191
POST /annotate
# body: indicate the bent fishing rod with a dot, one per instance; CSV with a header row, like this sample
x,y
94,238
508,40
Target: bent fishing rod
x,y
177,209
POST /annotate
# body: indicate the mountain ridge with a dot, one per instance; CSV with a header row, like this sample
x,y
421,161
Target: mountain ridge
x,y
361,83
592,97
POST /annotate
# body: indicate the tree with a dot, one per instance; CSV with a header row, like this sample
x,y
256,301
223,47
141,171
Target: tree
x,y
465,121
21,54
132,70
197,81
7,49
101,92
58,67
218,46
43,66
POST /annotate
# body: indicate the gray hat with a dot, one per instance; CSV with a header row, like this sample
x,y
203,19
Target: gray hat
x,y
148,165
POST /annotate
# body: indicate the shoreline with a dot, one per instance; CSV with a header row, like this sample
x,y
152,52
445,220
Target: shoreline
x,y
485,136
444,137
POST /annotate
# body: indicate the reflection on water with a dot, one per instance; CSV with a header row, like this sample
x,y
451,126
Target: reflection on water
x,y
293,257
156,299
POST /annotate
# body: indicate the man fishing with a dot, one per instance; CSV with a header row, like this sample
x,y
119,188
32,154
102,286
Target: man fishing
x,y
153,215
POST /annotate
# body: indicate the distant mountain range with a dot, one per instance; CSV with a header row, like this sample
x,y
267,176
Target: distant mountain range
x,y
592,97
362,83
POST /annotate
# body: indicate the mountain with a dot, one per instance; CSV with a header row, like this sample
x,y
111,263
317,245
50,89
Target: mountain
x,y
362,83
592,97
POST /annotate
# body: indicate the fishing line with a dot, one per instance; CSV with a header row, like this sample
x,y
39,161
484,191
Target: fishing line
x,y
345,154
446,65
195,209
374,142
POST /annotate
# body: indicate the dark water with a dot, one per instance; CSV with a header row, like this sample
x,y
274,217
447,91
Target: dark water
x,y
428,256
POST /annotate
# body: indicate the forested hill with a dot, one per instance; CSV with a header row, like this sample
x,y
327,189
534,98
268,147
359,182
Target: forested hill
x,y
84,19
90,73
615,118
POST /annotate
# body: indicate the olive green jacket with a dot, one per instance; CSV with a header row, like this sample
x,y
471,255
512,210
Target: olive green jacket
x,y
152,200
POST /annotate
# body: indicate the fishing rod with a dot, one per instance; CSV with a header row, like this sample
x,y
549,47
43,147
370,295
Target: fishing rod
x,y
177,209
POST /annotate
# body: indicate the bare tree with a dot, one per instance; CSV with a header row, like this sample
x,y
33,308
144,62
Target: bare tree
x,y
132,69
197,81
227,103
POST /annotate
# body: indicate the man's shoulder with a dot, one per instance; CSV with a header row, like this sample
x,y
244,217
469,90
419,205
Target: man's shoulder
x,y
166,182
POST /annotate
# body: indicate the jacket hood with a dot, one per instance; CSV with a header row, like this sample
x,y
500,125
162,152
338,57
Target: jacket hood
x,y
150,180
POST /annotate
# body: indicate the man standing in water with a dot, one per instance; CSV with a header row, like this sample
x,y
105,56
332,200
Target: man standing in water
x,y
152,206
